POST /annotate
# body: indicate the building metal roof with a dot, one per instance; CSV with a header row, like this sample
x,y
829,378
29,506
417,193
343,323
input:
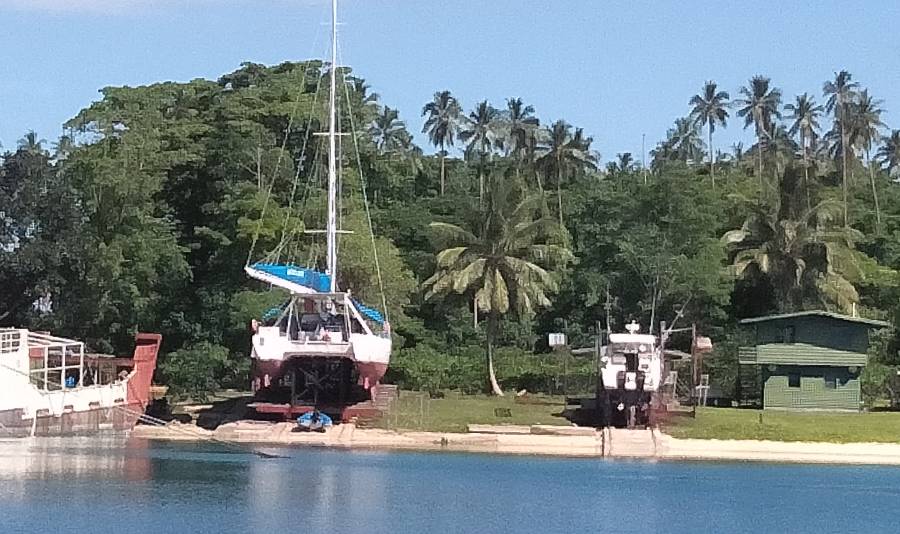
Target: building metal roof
x,y
816,313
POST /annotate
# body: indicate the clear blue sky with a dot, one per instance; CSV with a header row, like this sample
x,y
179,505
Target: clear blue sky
x,y
619,69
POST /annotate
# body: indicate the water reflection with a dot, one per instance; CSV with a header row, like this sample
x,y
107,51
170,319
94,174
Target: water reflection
x,y
317,488
137,486
74,458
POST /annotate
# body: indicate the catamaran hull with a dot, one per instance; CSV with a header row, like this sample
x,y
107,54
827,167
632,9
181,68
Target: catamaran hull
x,y
274,356
265,373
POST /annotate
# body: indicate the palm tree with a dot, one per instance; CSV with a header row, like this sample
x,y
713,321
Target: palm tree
x,y
684,141
800,260
805,113
758,107
506,267
710,108
387,130
481,137
864,119
624,163
359,92
781,149
409,152
563,152
840,93
442,124
31,143
522,128
889,153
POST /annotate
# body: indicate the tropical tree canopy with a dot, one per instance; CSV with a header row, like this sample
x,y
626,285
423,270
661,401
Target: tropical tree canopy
x,y
143,216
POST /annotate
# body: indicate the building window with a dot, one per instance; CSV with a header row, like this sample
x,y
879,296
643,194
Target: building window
x,y
794,380
788,335
830,381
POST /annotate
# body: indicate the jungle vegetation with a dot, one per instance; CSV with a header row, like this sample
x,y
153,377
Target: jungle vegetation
x,y
143,214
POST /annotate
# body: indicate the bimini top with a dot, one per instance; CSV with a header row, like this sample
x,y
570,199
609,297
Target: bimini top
x,y
290,277
816,313
370,313
303,281
648,339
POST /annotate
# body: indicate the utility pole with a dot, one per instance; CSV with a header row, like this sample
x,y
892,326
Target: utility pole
x,y
644,157
601,399
608,306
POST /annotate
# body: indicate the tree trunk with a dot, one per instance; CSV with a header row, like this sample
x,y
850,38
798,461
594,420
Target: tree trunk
x,y
874,193
712,164
481,186
844,166
559,195
762,188
442,171
805,169
492,377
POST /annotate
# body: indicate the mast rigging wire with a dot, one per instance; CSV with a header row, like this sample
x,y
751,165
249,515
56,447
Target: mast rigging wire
x,y
268,194
362,181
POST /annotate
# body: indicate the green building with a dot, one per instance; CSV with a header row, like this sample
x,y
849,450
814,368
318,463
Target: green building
x,y
809,360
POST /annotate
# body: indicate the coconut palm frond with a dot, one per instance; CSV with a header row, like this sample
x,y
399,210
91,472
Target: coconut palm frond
x,y
735,236
468,276
446,258
837,290
447,233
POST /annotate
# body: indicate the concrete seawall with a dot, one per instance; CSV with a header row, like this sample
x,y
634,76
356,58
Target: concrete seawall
x,y
536,440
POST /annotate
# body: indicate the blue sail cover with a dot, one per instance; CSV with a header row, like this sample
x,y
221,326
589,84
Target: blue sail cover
x,y
371,313
305,277
273,312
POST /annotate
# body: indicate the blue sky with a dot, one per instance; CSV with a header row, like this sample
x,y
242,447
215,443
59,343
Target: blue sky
x,y
619,69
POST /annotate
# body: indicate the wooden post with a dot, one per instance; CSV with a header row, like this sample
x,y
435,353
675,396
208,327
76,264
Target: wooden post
x,y
695,376
599,414
664,372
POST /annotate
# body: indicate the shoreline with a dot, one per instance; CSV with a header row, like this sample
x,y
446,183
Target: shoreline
x,y
537,440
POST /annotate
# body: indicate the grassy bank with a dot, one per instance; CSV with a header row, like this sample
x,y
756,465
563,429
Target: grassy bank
x,y
416,411
726,423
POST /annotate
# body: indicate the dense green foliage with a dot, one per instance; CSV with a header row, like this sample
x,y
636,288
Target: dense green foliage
x,y
144,214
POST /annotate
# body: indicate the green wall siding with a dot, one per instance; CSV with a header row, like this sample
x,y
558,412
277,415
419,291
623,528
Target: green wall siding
x,y
812,394
803,350
819,331
800,354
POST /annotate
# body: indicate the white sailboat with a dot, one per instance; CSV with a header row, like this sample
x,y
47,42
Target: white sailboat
x,y
323,344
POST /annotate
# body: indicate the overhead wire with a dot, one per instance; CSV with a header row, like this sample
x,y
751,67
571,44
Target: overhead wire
x,y
362,181
300,161
268,193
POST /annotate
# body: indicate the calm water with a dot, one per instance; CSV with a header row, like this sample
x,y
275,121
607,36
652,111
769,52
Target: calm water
x,y
135,487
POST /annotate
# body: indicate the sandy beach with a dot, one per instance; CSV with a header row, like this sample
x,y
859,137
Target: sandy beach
x,y
536,440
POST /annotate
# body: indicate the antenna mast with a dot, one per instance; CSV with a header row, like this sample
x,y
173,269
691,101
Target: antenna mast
x,y
331,228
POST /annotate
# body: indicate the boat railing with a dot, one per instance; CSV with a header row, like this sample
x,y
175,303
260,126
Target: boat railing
x,y
10,341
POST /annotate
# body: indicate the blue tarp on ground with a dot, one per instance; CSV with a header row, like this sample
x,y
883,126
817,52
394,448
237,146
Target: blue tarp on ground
x,y
305,277
314,420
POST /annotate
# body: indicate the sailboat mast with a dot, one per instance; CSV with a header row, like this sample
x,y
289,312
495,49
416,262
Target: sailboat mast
x,y
331,228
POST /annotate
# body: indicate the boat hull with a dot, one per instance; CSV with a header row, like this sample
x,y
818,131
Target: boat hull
x,y
89,422
265,373
42,402
275,354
